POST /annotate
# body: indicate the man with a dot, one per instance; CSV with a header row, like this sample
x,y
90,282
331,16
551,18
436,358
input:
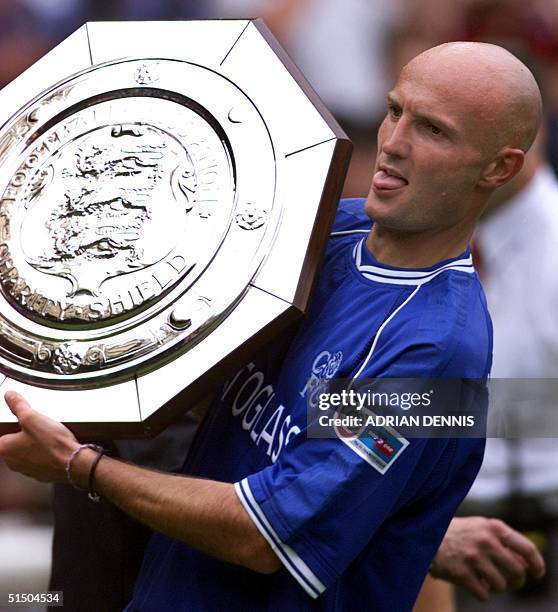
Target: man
x,y
318,523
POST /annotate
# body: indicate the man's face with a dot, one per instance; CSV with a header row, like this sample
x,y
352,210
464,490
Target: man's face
x,y
431,151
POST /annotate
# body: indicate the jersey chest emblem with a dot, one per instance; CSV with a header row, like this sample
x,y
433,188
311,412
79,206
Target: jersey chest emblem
x,y
324,368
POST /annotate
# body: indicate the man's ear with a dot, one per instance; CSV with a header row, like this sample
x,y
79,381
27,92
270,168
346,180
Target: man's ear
x,y
507,163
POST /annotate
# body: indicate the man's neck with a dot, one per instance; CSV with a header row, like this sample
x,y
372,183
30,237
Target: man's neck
x,y
415,250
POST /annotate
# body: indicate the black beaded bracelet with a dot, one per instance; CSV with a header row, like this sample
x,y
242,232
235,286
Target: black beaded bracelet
x,y
93,495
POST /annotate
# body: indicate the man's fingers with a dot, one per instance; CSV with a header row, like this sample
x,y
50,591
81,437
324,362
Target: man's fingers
x,y
17,404
510,565
28,418
517,582
526,550
477,587
490,575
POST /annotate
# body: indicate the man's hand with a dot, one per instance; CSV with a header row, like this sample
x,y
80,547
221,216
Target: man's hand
x,y
42,448
202,513
486,555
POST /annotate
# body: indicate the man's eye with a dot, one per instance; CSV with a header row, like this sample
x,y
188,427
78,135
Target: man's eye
x,y
394,111
434,129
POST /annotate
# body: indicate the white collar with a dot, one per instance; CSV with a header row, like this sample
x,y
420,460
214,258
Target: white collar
x,y
402,276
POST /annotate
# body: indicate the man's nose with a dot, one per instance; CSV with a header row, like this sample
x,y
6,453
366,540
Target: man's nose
x,y
397,143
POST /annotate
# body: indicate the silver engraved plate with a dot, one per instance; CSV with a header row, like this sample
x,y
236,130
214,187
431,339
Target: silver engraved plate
x,y
157,217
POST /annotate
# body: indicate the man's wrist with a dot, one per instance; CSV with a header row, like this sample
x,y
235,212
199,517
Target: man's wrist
x,y
434,569
81,467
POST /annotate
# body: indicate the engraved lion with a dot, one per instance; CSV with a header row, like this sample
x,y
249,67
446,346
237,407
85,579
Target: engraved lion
x,y
103,203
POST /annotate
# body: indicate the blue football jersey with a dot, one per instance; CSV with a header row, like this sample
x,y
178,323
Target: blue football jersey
x,y
347,529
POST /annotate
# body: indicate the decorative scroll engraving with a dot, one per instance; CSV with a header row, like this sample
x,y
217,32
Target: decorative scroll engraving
x,y
18,131
164,334
65,358
43,352
182,316
95,356
119,352
24,125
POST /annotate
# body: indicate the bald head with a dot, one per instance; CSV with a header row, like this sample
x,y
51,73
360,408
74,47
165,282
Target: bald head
x,y
499,94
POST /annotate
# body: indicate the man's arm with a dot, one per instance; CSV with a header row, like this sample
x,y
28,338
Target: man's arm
x,y
485,555
204,514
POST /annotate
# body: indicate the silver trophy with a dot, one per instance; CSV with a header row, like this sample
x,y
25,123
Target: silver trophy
x,y
164,208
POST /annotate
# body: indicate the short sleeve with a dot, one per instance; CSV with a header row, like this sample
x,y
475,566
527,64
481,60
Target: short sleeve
x,y
321,503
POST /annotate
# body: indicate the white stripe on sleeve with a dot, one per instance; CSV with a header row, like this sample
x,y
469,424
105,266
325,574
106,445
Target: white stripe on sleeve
x,y
288,556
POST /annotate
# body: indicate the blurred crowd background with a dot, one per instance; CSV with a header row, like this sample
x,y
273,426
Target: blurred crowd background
x,y
351,52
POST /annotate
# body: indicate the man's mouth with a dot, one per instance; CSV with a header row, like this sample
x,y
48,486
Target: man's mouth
x,y
388,179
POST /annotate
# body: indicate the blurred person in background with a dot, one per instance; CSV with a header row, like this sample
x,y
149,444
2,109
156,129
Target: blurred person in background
x,y
523,27
30,28
147,9
57,20
517,260
482,555
517,242
519,478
